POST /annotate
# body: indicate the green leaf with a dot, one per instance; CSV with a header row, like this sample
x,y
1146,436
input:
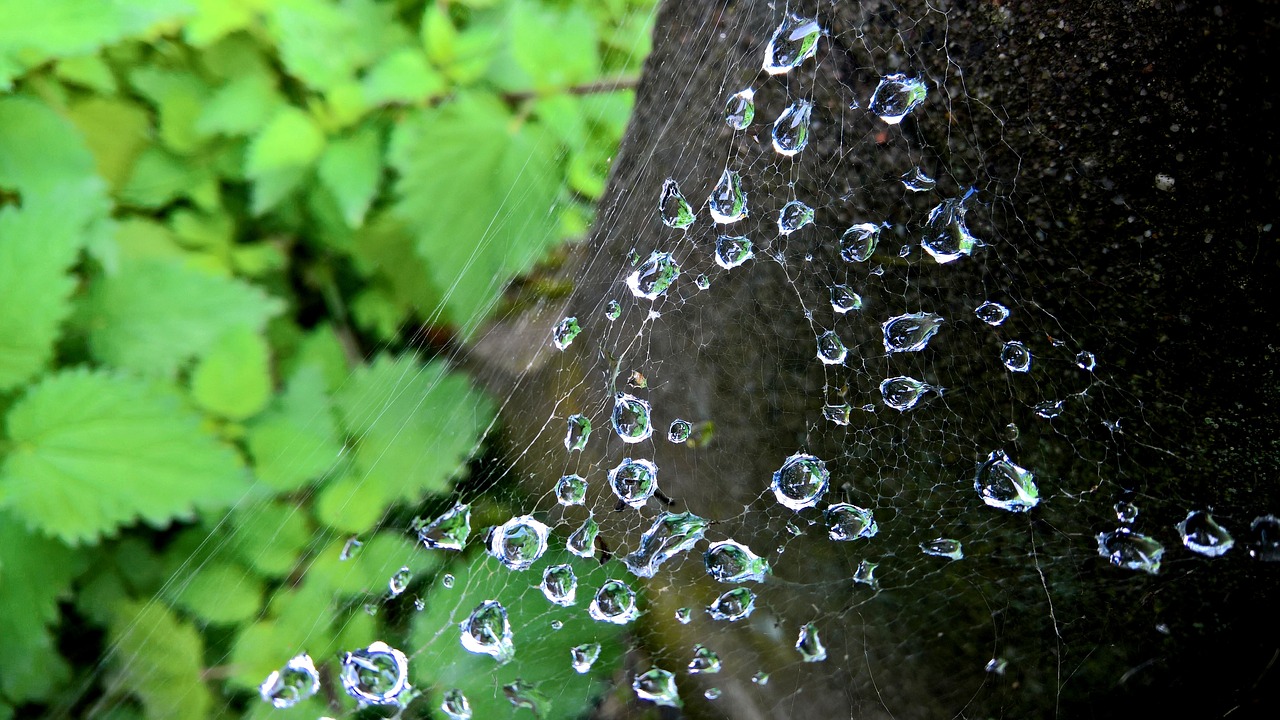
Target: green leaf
x,y
464,56
89,71
478,188
403,76
296,441
180,97
271,537
351,169
220,593
216,18
35,572
324,43
116,131
153,316
158,659
159,178
549,49
234,379
280,155
94,451
241,107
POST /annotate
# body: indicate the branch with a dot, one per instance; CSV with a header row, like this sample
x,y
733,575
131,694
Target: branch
x,y
606,85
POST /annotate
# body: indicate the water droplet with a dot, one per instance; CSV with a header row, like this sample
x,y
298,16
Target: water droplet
x,y
657,686
560,585
567,329
1003,484
793,216
653,277
350,549
831,349
810,644
859,242
584,656
679,431
670,535
488,632
865,574
291,684
634,481
571,490
673,208
631,418
991,313
684,615
371,609
449,531
916,181
946,237
795,41
849,522
447,580
760,678
895,96
614,603
518,542
1202,534
801,481
791,129
1016,357
943,547
1086,361
399,581
557,625
613,310
732,251
578,432
910,332
740,110
1049,409
1011,432
728,561
997,666
712,694
727,202
838,414
843,299
705,661
583,540
1264,538
1126,512
733,605
419,604
376,675
902,393
524,695
702,282
455,705
1130,550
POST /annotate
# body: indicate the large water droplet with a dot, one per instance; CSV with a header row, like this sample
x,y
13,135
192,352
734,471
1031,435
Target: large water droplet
x,y
1130,550
631,418
837,413
865,574
657,686
849,522
916,181
843,299
679,431
791,129
1004,484
1016,357
560,585
455,705
571,490
614,603
584,656
946,237
801,481
991,313
583,540
449,531
728,561
727,202
634,481
732,251
895,96
291,684
399,582
910,332
577,433
488,632
740,109
793,216
652,279
859,242
566,330
902,393
673,208
376,675
519,542
1264,538
670,535
705,661
795,41
831,349
810,644
733,605
943,547
1202,534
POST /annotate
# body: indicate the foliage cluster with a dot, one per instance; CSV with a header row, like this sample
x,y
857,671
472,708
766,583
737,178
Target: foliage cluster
x,y
226,227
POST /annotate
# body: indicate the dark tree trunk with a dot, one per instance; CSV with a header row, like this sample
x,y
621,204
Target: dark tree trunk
x,y
1061,119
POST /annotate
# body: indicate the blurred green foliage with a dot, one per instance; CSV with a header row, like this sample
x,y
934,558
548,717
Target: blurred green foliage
x,y
224,227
